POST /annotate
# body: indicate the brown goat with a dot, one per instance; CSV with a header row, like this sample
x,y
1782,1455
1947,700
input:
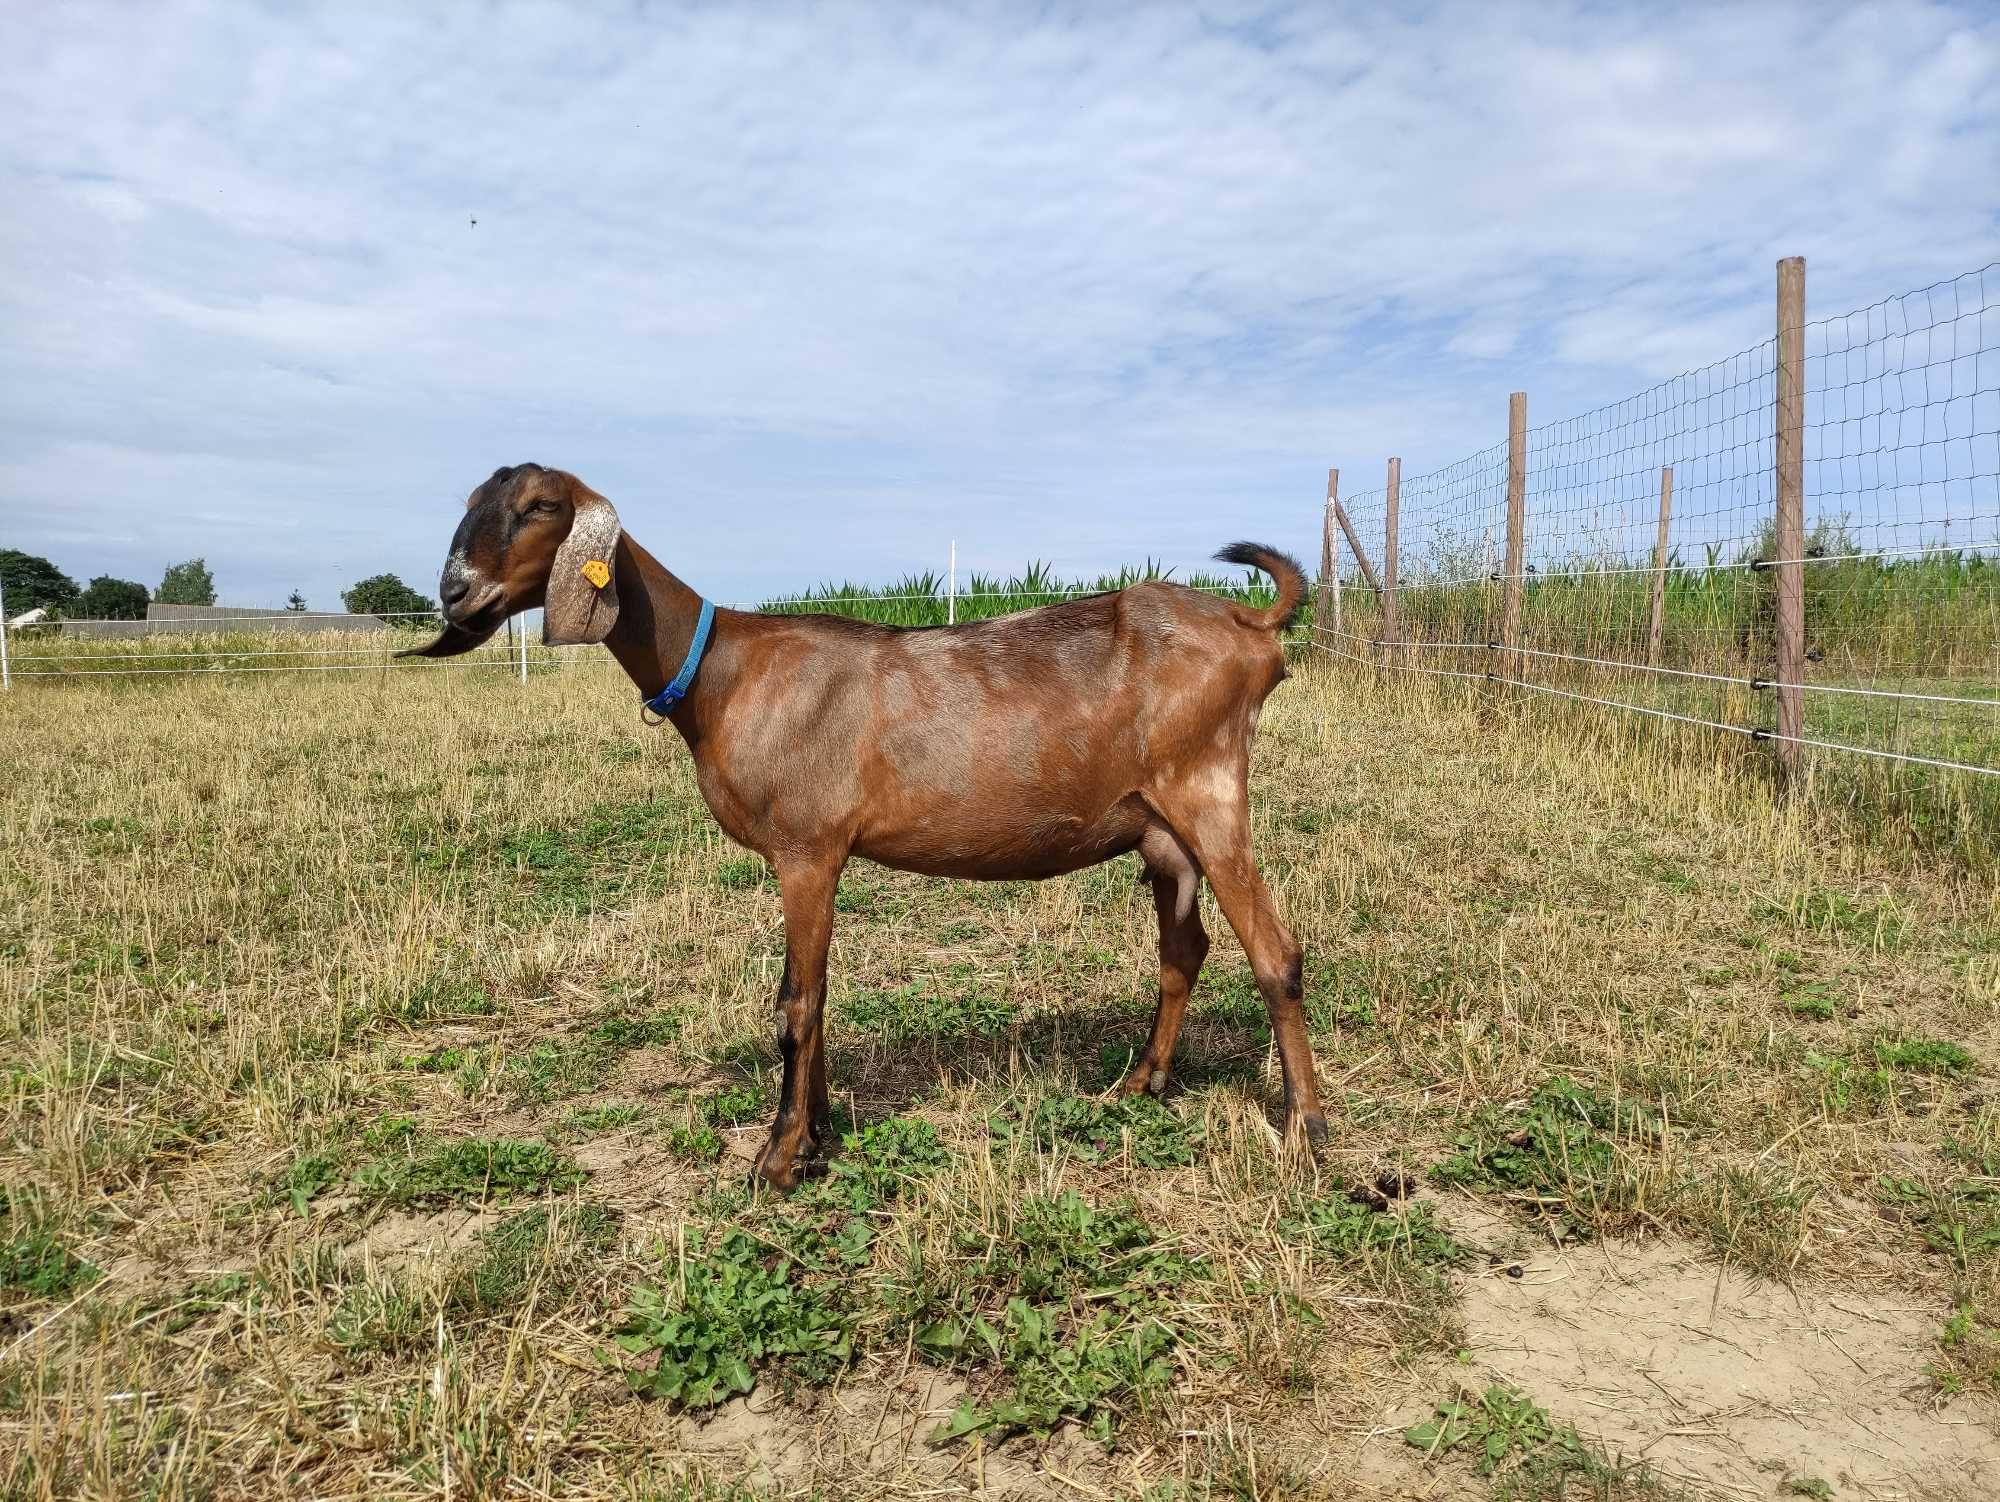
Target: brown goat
x,y
1020,747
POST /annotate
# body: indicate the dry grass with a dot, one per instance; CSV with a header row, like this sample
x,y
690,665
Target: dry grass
x,y
370,1044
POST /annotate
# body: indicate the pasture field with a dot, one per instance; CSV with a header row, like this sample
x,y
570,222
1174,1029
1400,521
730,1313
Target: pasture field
x,y
384,1056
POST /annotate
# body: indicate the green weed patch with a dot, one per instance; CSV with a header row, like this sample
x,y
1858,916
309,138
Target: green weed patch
x,y
1969,1351
735,1105
378,1315
1879,1072
726,1315
1961,1219
310,1175
1098,1130
753,1302
467,1170
1557,1160
1069,1318
1510,1439
1923,1056
1339,1225
588,1121
918,1012
36,1263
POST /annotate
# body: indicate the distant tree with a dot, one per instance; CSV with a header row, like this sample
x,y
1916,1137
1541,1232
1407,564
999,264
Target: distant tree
x,y
384,594
296,603
30,582
188,583
109,599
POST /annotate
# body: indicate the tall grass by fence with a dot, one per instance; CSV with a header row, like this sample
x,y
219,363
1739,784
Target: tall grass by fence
x,y
1797,546
922,600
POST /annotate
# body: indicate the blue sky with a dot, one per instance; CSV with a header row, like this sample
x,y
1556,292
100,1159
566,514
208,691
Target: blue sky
x,y
810,292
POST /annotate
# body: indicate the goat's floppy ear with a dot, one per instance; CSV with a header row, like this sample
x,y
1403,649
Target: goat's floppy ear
x,y
581,605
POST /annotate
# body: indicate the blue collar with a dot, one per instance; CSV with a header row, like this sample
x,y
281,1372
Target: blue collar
x,y
676,691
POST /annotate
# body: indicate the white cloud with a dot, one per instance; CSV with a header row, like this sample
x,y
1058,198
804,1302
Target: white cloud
x,y
812,292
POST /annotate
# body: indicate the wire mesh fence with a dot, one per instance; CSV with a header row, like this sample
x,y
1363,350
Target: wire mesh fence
x,y
1651,577
1902,481
251,644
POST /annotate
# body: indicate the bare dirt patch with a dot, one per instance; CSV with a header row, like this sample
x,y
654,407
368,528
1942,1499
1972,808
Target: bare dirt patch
x,y
883,1431
403,1239
1730,1383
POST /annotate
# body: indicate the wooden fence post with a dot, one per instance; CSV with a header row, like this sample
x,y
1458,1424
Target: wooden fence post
x,y
1329,589
1656,624
1360,553
1517,527
1789,539
1392,627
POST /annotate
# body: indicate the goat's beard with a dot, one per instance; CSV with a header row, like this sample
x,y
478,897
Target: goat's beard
x,y
452,641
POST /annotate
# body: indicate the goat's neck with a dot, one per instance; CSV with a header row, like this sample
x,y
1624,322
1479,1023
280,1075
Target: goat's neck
x,y
656,620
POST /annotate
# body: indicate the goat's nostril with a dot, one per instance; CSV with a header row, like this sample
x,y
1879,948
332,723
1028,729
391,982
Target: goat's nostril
x,y
451,591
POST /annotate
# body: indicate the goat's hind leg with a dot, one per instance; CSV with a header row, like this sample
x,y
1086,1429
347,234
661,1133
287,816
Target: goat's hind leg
x,y
807,890
1212,814
1176,883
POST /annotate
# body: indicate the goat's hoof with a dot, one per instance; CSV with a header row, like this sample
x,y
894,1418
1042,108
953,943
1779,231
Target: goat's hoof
x,y
781,1170
1145,1079
1312,1128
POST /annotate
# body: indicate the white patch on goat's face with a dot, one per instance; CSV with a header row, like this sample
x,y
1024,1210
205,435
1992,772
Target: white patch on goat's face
x,y
458,567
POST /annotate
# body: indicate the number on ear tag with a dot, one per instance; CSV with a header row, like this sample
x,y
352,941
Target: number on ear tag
x,y
597,573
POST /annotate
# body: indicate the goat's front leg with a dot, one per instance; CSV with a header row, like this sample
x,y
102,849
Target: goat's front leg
x,y
807,890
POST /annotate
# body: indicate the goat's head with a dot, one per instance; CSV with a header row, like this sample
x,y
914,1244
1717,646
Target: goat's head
x,y
530,536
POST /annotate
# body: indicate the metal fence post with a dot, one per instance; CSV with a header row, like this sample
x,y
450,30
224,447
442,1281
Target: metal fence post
x,y
1789,532
6,677
1517,528
1392,626
1329,587
524,651
1657,619
951,588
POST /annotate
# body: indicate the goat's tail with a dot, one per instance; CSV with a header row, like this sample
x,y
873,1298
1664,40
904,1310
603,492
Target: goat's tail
x,y
1285,573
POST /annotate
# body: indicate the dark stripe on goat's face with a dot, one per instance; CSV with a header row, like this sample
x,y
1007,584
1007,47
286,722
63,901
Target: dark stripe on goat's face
x,y
486,576
512,527
491,519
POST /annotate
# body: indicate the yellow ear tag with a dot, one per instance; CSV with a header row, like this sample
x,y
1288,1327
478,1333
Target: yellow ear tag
x,y
597,573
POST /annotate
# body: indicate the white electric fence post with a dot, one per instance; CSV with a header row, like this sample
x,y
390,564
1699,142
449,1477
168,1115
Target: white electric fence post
x,y
6,678
524,651
951,588
1328,603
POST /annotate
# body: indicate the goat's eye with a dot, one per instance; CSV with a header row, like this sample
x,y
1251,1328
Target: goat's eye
x,y
546,508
